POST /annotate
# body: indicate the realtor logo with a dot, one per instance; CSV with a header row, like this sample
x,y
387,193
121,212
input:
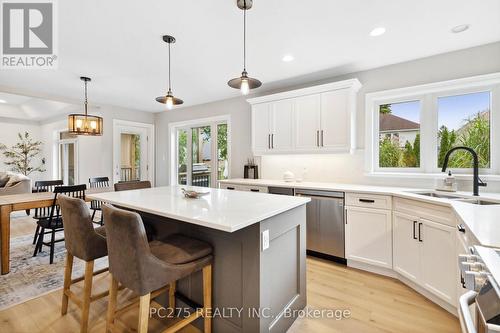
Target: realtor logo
x,y
28,34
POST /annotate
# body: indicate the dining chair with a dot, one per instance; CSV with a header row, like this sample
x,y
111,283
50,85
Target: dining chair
x,y
152,268
95,205
54,222
43,213
84,242
133,185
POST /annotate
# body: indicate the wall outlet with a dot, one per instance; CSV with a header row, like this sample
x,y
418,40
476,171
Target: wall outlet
x,y
265,240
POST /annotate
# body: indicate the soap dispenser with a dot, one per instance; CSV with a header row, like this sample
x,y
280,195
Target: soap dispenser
x,y
449,183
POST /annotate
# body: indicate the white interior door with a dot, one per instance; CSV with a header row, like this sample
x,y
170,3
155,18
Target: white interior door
x,y
133,148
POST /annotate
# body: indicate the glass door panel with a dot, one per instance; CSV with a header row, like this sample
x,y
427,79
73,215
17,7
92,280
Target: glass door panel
x,y
182,156
67,162
201,153
222,160
131,157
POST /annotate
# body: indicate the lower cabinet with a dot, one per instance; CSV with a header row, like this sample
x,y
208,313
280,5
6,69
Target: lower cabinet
x,y
424,252
368,236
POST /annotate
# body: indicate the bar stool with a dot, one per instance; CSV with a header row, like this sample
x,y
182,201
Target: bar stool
x,y
86,243
149,269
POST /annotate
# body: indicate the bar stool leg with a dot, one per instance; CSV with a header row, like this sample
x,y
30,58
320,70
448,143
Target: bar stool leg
x,y
144,302
207,298
87,290
67,282
113,292
171,296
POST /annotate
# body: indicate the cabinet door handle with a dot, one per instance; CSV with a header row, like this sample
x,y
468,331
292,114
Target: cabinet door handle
x,y
254,190
414,231
272,141
461,228
367,200
322,142
230,188
420,232
317,138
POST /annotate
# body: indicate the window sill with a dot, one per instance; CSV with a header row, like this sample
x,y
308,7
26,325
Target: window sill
x,y
420,175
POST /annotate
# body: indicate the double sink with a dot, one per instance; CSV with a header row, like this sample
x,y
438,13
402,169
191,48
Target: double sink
x,y
474,201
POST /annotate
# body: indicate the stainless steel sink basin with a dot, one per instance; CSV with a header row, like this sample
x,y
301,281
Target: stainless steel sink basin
x,y
438,195
479,202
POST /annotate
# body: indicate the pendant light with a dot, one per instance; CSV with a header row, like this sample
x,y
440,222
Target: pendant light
x,y
85,124
244,82
169,100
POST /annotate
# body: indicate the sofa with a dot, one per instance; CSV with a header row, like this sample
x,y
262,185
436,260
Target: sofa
x,y
14,183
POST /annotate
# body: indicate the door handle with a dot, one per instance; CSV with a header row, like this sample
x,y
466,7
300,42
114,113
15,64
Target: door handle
x,y
317,138
269,141
420,232
272,141
322,142
367,200
414,231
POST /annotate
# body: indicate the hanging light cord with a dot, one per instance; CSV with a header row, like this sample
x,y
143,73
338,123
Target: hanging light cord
x,y
86,101
245,38
169,80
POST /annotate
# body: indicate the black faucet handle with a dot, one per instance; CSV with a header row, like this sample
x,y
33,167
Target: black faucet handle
x,y
481,183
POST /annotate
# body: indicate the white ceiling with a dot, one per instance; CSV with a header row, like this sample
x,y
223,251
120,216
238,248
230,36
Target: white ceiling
x,y
118,43
33,109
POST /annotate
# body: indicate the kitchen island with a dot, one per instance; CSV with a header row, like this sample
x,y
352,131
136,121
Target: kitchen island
x,y
259,241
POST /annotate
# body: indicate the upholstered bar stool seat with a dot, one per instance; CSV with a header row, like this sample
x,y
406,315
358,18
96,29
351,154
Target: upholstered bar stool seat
x,y
149,269
85,243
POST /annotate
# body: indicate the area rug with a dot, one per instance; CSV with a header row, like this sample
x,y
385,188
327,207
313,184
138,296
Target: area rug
x,y
31,277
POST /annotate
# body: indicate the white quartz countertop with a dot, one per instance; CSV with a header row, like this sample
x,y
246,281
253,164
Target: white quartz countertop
x,y
220,209
482,221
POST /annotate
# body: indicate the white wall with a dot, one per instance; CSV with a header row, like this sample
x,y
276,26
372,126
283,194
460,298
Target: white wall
x,y
95,154
338,167
8,136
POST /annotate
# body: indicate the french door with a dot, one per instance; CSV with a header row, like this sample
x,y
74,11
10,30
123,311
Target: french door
x,y
67,170
202,154
132,151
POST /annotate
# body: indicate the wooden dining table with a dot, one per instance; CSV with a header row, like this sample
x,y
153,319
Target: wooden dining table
x,y
23,202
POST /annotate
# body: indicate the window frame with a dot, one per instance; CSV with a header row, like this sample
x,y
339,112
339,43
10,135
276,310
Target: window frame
x,y
428,95
213,122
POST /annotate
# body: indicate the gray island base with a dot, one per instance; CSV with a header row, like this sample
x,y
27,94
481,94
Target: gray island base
x,y
254,290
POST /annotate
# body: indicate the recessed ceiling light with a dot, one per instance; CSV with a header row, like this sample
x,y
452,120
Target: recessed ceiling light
x,y
3,101
460,28
377,32
288,58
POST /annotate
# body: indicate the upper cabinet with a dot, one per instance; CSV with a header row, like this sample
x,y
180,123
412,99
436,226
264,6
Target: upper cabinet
x,y
314,119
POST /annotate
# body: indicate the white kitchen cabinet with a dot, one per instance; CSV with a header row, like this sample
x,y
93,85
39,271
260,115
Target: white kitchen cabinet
x,y
282,125
314,119
438,259
261,124
248,188
425,253
406,247
336,113
307,122
369,236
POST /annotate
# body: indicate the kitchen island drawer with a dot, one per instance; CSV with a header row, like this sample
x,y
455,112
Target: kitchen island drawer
x,y
368,200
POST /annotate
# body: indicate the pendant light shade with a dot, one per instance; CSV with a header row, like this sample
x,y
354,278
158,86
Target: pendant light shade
x,y
85,124
244,82
169,100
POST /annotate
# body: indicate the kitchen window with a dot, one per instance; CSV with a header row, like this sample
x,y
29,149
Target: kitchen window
x,y
413,128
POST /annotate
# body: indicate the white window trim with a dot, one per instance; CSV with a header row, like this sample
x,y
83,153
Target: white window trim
x,y
56,166
428,94
173,153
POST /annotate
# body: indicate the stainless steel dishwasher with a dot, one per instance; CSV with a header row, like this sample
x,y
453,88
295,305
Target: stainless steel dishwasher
x,y
325,223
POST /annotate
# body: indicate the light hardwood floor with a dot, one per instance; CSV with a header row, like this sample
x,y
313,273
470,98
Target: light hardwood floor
x,y
376,304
